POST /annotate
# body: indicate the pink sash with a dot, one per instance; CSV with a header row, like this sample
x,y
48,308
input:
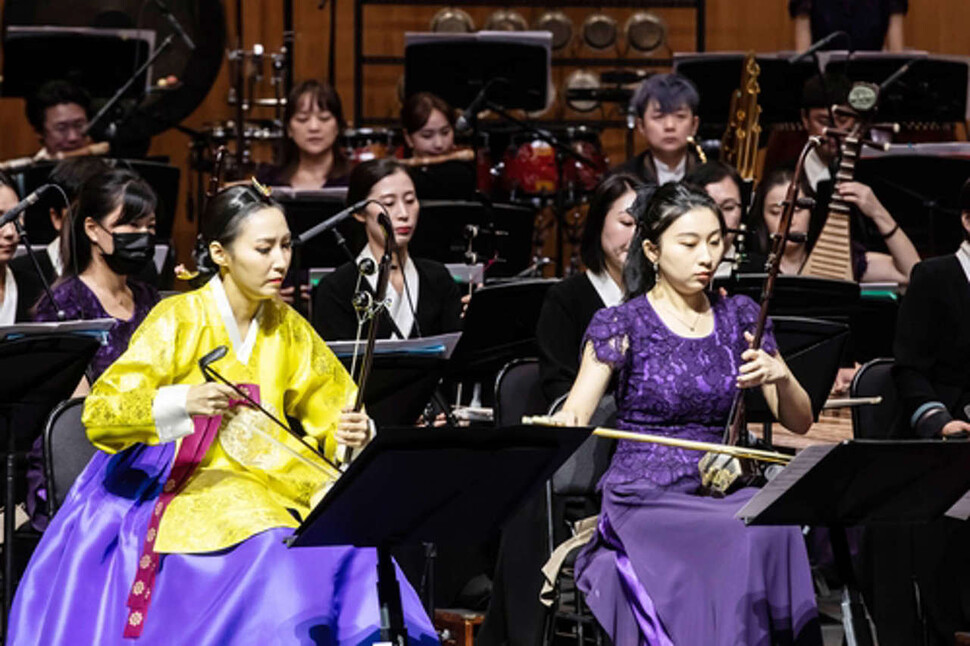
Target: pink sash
x,y
190,454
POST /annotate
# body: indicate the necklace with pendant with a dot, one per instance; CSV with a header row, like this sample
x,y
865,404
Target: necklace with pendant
x,y
689,326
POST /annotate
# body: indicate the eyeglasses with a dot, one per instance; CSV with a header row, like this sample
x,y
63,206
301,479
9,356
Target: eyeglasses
x,y
66,127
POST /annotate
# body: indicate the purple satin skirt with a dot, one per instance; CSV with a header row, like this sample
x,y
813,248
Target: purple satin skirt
x,y
257,592
668,567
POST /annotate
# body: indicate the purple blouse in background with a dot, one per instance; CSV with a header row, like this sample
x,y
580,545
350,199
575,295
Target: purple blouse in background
x,y
79,303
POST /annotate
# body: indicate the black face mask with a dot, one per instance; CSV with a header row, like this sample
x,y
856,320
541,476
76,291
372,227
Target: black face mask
x,y
132,252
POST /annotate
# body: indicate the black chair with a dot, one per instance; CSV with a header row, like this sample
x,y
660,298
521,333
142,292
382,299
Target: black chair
x,y
571,496
518,392
67,450
875,421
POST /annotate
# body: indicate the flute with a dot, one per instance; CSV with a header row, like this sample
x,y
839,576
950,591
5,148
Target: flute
x,y
461,154
100,148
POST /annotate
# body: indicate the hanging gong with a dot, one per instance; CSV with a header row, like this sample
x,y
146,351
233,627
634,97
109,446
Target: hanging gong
x,y
506,20
599,31
453,21
581,80
645,32
559,25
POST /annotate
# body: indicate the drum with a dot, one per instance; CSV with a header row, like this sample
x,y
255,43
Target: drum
x,y
365,144
529,164
483,158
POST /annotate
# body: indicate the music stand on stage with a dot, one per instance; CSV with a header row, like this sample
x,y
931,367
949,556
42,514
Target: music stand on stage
x,y
426,485
863,482
42,364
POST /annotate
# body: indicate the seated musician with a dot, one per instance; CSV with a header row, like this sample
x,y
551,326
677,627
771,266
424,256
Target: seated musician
x,y
312,157
59,112
429,132
424,299
722,182
867,266
19,285
666,109
110,239
871,26
917,577
174,532
69,175
570,304
666,565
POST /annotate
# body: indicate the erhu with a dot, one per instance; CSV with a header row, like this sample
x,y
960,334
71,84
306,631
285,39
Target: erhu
x,y
721,473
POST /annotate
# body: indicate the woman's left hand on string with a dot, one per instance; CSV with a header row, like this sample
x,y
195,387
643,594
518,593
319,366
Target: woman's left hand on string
x,y
353,429
759,367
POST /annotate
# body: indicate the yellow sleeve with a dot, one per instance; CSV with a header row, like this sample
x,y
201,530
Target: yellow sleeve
x,y
118,411
319,387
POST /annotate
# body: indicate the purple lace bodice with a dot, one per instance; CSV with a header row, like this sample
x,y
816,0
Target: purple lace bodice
x,y
670,385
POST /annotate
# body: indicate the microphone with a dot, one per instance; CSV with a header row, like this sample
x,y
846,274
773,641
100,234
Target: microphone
x,y
218,353
176,25
819,45
330,222
23,205
384,220
468,118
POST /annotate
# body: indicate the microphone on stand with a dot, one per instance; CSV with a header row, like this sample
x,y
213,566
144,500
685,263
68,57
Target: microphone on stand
x,y
13,216
176,25
469,116
819,45
14,212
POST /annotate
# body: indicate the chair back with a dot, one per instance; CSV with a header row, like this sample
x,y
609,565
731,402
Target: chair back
x,y
518,392
875,421
67,450
579,475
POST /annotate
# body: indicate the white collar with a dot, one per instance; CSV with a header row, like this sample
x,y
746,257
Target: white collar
x,y
816,170
54,253
726,266
398,305
609,292
243,349
963,255
8,308
667,173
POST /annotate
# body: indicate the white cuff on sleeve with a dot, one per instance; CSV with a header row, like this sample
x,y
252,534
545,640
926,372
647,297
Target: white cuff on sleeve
x,y
172,421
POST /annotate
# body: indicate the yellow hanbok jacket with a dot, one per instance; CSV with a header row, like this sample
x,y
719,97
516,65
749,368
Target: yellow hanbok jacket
x,y
244,484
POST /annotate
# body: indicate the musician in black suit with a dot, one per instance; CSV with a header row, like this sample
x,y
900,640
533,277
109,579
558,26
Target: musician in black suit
x,y
424,299
19,288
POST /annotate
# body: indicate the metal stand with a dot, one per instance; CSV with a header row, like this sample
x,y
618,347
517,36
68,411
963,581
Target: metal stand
x,y
393,630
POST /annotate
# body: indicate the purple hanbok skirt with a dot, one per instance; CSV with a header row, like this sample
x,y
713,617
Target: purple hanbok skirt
x,y
257,592
669,567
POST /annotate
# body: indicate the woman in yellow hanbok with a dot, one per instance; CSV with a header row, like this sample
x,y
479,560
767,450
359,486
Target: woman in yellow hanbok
x,y
173,534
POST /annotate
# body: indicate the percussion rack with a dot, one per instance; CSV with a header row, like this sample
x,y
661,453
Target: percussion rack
x,y
361,59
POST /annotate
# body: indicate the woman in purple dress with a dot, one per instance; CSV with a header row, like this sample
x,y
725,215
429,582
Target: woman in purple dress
x,y
668,566
111,238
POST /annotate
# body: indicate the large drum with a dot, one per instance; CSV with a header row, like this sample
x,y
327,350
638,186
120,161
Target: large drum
x,y
529,164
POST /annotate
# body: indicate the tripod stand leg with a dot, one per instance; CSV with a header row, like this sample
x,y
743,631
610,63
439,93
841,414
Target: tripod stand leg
x,y
393,630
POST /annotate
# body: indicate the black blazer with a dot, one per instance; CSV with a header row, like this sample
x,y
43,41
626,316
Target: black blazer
x,y
29,289
438,307
23,265
566,312
647,172
932,345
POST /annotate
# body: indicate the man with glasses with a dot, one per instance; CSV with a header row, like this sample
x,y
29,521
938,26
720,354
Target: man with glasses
x,y
723,184
59,113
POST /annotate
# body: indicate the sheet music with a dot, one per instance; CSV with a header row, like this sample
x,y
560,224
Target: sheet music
x,y
960,509
440,345
804,462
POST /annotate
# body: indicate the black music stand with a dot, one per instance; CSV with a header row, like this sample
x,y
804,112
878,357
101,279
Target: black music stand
x,y
426,485
502,231
921,188
863,482
39,370
500,325
797,295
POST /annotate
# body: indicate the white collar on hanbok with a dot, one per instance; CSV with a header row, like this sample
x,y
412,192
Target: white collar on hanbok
x,y
242,348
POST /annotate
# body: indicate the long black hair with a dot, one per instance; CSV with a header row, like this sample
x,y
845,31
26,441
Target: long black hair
x,y
97,198
607,192
325,97
655,209
222,221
